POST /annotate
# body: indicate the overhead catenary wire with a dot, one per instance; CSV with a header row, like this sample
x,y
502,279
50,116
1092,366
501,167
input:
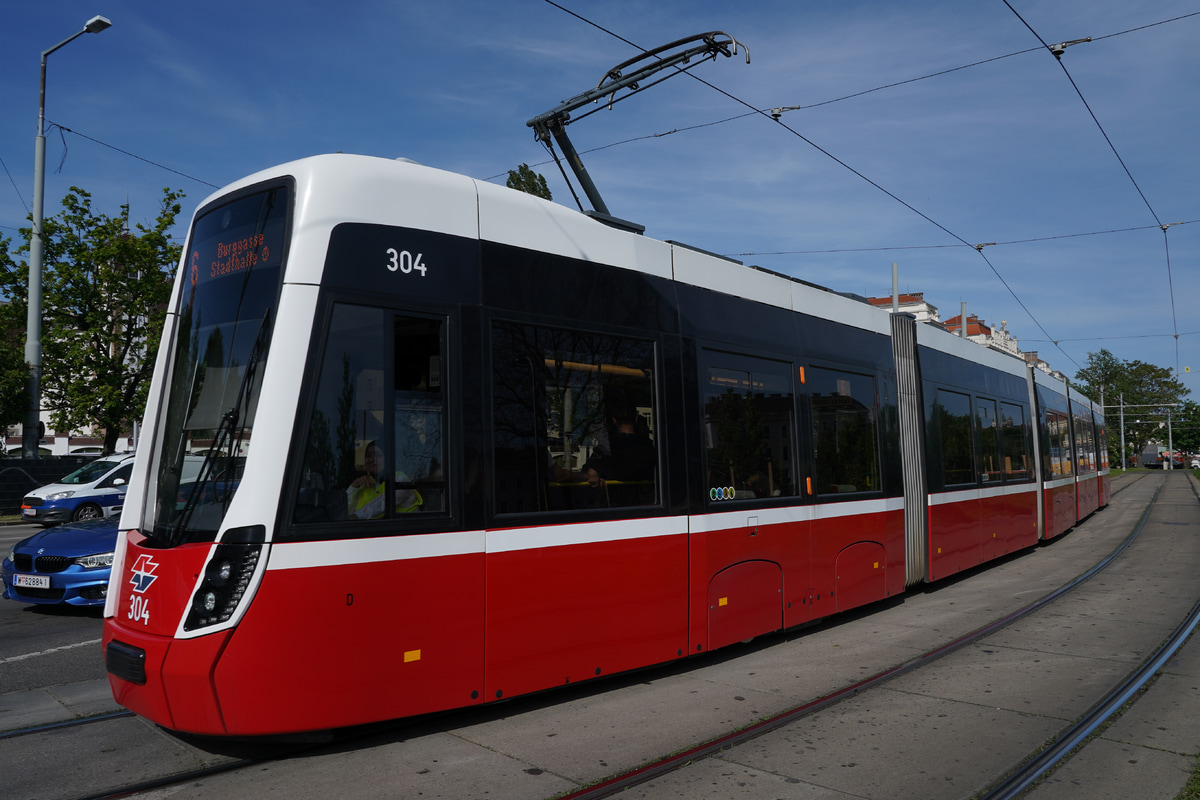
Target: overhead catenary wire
x,y
939,73
767,115
943,246
754,112
14,185
131,155
1057,53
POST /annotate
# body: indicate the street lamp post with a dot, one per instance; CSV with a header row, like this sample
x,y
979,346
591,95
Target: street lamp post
x,y
30,434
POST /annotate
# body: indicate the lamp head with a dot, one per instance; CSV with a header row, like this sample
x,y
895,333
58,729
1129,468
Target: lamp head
x,y
97,24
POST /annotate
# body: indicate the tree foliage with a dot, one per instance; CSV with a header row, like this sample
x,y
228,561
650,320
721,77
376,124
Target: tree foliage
x,y
105,290
1146,392
1185,427
13,371
526,180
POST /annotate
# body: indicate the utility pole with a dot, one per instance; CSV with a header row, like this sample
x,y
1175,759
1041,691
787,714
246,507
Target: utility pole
x,y
31,432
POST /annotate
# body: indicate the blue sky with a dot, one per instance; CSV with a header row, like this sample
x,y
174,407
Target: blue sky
x,y
1004,151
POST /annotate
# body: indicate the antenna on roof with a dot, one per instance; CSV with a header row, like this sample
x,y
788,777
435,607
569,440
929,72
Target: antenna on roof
x,y
553,123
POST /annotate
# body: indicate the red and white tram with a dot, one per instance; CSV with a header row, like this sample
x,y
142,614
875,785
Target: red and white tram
x,y
460,444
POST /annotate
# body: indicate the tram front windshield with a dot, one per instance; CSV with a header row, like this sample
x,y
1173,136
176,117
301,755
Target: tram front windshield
x,y
226,313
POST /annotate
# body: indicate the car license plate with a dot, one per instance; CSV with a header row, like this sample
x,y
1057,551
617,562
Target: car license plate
x,y
29,512
32,581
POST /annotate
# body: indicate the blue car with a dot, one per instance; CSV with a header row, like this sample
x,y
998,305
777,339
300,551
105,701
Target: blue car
x,y
94,490
67,564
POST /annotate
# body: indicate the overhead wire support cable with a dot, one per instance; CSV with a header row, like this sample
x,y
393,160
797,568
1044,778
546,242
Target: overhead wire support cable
x,y
907,205
1057,51
844,165
127,153
831,100
944,246
1171,289
14,185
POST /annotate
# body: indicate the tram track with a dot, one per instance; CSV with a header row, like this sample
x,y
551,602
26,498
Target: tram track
x,y
257,753
64,724
1032,769
1039,764
679,761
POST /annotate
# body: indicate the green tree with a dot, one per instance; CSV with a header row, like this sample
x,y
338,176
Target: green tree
x,y
526,180
1148,393
1186,427
13,370
104,295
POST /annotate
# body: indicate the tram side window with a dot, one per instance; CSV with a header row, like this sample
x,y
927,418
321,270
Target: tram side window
x,y
1085,444
1015,441
1102,446
845,439
573,420
375,447
1058,430
749,424
953,413
419,415
989,439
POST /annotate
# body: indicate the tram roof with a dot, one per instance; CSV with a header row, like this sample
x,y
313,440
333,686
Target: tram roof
x,y
338,188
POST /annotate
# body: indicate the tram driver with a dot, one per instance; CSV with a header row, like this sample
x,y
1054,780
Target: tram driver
x,y
366,497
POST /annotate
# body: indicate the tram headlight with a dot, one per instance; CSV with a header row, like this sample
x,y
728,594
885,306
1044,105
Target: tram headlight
x,y
220,571
226,577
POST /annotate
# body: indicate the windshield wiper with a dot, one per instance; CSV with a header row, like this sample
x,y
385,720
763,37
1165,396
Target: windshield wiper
x,y
226,439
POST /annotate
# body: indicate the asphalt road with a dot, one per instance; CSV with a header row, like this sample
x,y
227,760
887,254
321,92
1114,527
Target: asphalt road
x,y
45,645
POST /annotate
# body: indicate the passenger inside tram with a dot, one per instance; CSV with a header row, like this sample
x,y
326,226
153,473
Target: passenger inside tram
x,y
629,456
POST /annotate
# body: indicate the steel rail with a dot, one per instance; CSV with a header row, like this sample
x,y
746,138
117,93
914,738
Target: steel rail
x,y
669,764
1048,758
67,723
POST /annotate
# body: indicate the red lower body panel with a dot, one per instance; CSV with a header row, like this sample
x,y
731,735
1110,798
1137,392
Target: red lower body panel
x,y
857,559
744,600
954,538
971,527
1060,508
1088,494
861,575
563,614
343,645
327,645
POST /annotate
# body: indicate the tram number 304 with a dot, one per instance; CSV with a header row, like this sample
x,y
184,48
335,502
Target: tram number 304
x,y
405,262
139,609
